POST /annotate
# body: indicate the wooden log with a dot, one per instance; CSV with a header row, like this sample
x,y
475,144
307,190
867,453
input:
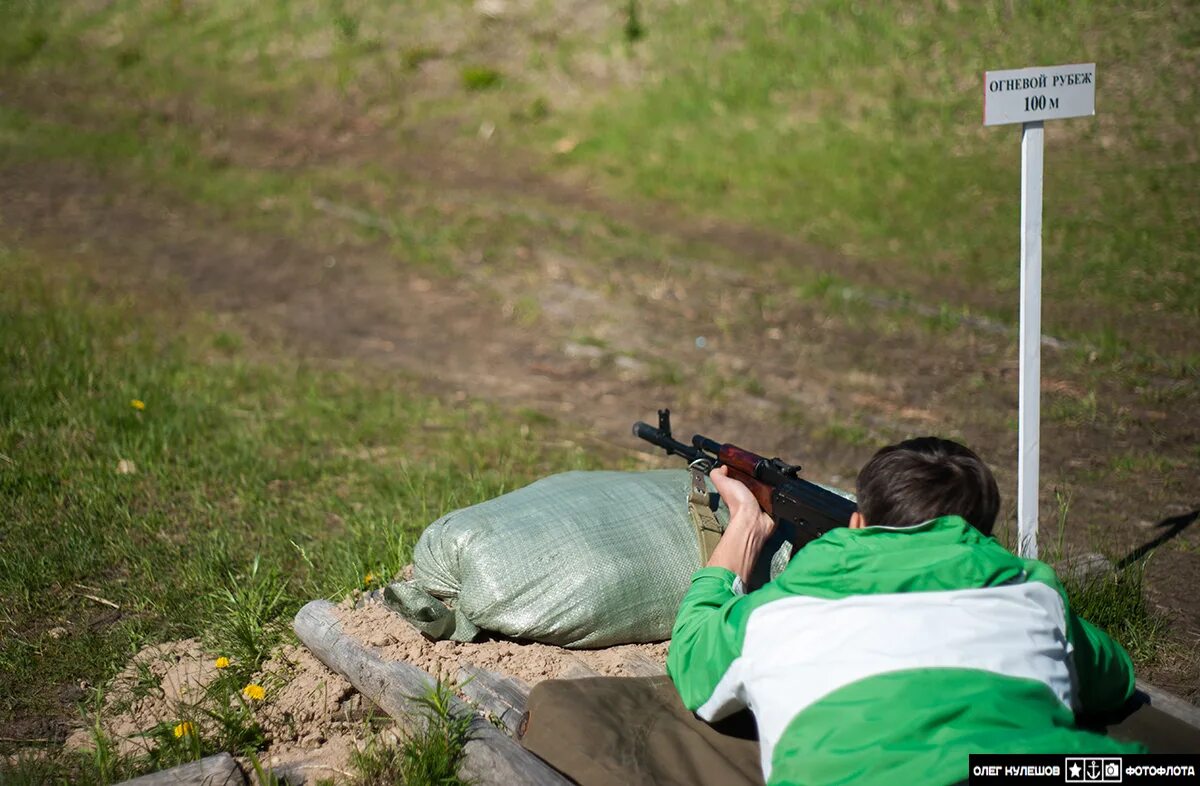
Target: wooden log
x,y
576,669
638,665
503,697
490,756
1171,704
219,770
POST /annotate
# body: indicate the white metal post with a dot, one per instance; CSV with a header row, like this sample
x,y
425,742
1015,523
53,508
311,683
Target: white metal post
x,y
1029,402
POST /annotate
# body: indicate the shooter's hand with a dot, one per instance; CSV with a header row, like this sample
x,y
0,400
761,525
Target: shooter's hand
x,y
749,526
743,507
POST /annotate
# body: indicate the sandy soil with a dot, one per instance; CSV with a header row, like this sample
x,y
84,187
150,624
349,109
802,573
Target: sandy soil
x,y
313,718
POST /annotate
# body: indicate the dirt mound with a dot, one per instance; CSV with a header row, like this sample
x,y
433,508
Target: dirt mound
x,y
312,718
150,690
375,624
315,719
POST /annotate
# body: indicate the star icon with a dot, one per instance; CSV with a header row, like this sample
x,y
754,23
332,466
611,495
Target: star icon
x,y
1075,770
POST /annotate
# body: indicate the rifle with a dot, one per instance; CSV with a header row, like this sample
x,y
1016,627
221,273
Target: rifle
x,y
804,510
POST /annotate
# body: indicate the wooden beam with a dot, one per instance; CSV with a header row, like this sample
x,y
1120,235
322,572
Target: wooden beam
x,y
576,669
500,696
1171,704
490,756
219,770
639,665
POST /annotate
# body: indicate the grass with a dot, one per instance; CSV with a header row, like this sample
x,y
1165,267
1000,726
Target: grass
x,y
1116,602
430,754
858,127
326,476
477,77
855,127
1112,598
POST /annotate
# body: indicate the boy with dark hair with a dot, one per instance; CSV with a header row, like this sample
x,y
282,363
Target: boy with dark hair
x,y
890,650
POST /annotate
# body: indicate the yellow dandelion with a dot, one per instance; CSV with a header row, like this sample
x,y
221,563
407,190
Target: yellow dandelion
x,y
187,728
138,404
367,579
254,692
222,662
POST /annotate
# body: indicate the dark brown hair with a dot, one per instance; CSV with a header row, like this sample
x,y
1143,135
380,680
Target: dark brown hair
x,y
921,479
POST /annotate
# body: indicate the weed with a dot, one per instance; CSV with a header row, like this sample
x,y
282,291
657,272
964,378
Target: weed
x,y
944,320
105,763
666,373
128,57
526,310
1112,599
32,769
1135,463
414,57
346,27
227,342
432,754
244,615
477,78
1062,499
146,683
592,341
104,757
633,29
1075,410
847,433
263,776
816,287
752,385
1116,602
534,418
27,47
537,110
230,721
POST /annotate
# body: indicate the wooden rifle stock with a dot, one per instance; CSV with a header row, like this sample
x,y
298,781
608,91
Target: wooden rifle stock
x,y
741,464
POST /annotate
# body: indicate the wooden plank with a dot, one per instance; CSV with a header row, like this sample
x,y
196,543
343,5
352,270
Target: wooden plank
x,y
219,770
1171,704
639,665
576,669
490,756
503,697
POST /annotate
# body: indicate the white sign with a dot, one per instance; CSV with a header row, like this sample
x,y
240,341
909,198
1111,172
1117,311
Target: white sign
x,y
1025,95
1030,96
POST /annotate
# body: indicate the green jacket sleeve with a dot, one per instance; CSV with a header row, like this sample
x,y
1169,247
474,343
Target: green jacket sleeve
x,y
705,644
1104,668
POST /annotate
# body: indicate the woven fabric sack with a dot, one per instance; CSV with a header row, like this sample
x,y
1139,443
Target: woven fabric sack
x,y
579,559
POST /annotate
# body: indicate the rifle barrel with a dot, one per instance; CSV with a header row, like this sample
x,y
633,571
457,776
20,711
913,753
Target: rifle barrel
x,y
672,446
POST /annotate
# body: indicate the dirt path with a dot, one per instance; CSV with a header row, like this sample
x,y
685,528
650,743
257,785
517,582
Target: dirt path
x,y
781,375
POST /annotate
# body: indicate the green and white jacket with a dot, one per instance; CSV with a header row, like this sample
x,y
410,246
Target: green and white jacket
x,y
886,655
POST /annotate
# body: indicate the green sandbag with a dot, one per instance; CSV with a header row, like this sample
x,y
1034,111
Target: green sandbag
x,y
580,559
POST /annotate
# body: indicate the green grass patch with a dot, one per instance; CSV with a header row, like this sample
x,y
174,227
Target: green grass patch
x,y
145,467
1105,593
1116,602
480,78
859,127
853,126
431,754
